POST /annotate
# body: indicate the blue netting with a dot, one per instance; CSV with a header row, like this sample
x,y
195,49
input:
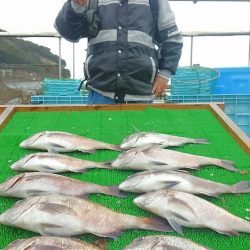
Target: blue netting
x,y
194,80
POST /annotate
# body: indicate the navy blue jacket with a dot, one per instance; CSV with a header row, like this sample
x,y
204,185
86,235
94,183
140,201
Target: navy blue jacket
x,y
122,58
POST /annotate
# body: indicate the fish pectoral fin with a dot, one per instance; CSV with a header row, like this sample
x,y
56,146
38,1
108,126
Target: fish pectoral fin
x,y
112,235
158,163
89,151
179,205
56,208
35,192
169,184
177,227
55,148
49,229
48,169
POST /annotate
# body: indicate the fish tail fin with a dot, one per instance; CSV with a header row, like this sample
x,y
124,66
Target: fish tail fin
x,y
114,191
156,224
229,165
200,141
241,187
102,244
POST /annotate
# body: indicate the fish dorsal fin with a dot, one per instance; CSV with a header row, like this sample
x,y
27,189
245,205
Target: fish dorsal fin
x,y
229,232
164,246
89,151
37,176
149,150
43,247
135,128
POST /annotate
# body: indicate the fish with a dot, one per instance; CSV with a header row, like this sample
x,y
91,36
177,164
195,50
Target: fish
x,y
152,180
154,158
61,215
55,163
184,209
30,184
163,242
52,243
57,141
147,139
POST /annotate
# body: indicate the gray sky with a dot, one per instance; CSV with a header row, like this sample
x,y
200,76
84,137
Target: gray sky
x,y
33,16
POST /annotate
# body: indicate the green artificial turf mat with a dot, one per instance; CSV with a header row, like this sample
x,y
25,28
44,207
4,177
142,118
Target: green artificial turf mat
x,y
112,127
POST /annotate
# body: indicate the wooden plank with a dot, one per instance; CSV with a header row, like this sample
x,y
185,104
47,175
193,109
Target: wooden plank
x,y
118,107
2,109
232,128
6,115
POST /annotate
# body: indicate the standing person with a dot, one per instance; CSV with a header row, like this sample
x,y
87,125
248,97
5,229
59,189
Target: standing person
x,y
123,64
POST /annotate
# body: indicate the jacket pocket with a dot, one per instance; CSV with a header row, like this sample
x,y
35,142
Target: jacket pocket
x,y
86,66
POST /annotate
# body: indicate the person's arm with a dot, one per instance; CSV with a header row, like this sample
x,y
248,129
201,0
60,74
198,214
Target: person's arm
x,y
71,22
171,47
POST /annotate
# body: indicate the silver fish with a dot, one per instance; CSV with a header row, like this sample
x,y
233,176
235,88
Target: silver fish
x,y
54,163
162,242
164,159
59,215
56,141
145,139
152,180
31,184
183,209
51,243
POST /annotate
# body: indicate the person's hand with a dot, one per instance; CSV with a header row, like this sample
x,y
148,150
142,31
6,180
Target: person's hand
x,y
160,84
80,2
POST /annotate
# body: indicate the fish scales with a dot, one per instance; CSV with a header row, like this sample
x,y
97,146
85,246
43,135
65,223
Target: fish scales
x,y
51,243
161,242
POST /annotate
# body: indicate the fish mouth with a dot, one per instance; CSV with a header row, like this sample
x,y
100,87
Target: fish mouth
x,y
123,186
23,144
138,201
14,166
124,146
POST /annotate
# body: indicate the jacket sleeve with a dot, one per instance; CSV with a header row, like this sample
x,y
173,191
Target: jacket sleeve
x,y
170,40
70,24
